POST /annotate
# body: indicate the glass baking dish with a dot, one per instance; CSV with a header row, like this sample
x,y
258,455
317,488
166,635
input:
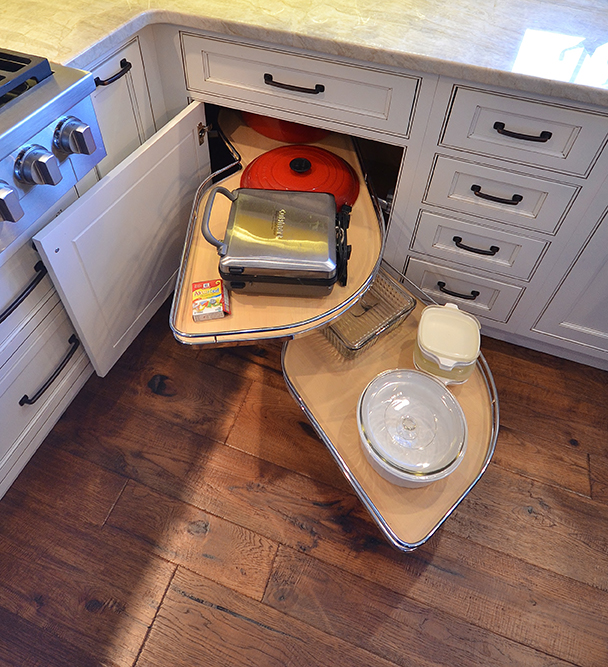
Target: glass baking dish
x,y
382,308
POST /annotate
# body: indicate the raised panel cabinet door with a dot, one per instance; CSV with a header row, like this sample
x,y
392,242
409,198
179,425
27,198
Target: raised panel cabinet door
x,y
578,311
114,254
122,106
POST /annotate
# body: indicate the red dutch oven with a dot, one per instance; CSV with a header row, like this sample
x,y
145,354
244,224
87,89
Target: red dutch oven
x,y
283,130
303,169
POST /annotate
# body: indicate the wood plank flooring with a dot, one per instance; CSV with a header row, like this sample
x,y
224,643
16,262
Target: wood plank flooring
x,y
183,513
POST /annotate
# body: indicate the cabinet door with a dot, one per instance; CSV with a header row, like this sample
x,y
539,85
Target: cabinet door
x,y
123,108
114,254
578,312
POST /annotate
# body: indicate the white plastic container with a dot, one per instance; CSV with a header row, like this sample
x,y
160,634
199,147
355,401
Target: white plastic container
x,y
447,343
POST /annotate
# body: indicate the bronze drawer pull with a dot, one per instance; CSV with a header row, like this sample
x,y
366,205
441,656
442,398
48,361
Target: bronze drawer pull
x,y
125,66
470,297
544,136
515,199
26,400
479,251
269,81
41,271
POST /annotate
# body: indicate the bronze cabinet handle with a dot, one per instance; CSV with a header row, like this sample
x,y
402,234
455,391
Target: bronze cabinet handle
x,y
515,199
74,342
269,81
41,271
544,136
478,251
470,297
125,66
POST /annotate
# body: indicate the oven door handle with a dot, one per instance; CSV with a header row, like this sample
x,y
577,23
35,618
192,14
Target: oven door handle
x,y
41,271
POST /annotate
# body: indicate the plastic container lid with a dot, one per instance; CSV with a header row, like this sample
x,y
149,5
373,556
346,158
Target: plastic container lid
x,y
303,169
448,336
413,423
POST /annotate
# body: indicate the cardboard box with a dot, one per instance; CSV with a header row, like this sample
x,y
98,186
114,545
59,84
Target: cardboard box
x,y
210,300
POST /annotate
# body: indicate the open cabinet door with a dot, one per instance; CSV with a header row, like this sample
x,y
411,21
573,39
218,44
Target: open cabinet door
x,y
114,254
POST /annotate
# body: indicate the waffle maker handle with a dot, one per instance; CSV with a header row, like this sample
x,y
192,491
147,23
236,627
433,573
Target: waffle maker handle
x,y
220,245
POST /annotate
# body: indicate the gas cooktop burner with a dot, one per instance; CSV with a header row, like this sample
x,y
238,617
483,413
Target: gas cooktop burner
x,y
49,140
20,72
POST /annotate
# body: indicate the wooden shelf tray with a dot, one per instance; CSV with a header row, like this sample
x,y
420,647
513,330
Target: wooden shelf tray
x,y
256,317
313,369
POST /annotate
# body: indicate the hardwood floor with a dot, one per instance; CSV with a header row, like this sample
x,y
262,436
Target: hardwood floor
x,y
183,513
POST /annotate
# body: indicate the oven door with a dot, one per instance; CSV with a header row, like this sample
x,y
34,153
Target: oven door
x,y
114,254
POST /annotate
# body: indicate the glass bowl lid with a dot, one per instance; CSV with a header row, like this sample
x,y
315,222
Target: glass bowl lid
x,y
412,422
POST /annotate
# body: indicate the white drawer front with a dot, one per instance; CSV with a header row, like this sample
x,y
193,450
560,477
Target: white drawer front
x,y
477,246
29,369
490,299
17,276
498,194
348,94
485,122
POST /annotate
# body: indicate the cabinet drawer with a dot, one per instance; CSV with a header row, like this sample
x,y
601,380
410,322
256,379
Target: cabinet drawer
x,y
498,194
22,280
546,135
28,371
349,94
476,246
491,299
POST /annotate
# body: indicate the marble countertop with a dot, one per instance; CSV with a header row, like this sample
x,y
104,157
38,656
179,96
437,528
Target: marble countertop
x,y
552,47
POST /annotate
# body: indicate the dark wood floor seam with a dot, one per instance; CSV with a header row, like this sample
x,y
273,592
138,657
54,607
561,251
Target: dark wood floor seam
x,y
124,486
160,604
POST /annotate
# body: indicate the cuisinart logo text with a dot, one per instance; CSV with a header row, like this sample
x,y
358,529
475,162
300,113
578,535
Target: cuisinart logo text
x,y
278,223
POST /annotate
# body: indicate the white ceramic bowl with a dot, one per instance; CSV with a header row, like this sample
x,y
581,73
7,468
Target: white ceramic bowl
x,y
413,431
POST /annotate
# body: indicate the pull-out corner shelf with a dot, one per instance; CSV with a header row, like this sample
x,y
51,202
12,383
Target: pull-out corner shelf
x,y
258,317
313,369
407,517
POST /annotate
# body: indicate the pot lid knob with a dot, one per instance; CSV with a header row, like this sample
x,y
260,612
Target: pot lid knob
x,y
300,165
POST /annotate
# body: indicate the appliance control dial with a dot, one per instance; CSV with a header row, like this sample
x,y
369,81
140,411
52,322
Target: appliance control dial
x,y
10,208
37,166
73,136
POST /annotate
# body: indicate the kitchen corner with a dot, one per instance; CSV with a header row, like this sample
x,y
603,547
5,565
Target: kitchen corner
x,y
180,508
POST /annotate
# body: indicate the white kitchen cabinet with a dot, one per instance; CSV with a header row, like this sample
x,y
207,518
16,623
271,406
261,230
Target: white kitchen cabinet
x,y
481,296
26,295
475,245
504,194
34,335
36,385
39,348
267,78
578,311
123,107
114,254
525,131
499,194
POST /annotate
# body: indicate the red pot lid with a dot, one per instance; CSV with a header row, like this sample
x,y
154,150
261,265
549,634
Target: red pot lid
x,y
303,169
283,130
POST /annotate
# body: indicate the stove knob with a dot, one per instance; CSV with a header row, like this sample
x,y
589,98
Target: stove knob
x,y
37,166
10,208
73,136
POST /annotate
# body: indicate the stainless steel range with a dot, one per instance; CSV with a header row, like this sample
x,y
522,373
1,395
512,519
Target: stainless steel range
x,y
49,139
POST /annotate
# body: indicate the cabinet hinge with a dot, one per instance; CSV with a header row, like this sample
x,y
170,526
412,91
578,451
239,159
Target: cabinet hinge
x,y
202,131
